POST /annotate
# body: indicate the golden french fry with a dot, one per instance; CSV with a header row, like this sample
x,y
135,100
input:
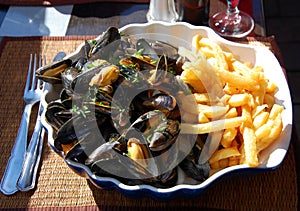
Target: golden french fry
x,y
258,109
190,78
212,126
202,107
196,42
224,153
231,113
230,90
208,98
258,69
215,111
276,129
215,165
237,100
242,151
263,131
219,55
252,102
249,148
269,100
229,58
259,94
245,70
202,118
207,52
234,160
275,111
224,163
228,136
248,64
238,81
202,97
241,94
260,119
246,113
271,88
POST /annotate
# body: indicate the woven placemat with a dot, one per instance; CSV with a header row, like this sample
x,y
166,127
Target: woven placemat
x,y
59,187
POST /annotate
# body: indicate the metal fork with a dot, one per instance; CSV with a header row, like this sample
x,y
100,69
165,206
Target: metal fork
x,y
32,94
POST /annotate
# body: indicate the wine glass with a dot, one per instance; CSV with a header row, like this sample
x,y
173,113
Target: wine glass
x,y
232,22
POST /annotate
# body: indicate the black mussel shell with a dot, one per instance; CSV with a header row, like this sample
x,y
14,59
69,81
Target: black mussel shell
x,y
199,172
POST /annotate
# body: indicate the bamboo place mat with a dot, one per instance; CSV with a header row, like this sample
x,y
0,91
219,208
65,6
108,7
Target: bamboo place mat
x,y
58,188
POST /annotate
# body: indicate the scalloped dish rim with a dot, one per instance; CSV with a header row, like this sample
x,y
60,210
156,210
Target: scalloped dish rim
x,y
272,157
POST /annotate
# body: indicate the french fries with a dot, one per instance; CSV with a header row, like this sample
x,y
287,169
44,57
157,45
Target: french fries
x,y
232,97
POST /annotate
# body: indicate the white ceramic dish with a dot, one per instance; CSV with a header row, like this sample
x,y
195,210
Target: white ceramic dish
x,y
270,159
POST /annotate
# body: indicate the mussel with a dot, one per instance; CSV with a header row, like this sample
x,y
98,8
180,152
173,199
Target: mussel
x,y
119,111
162,102
102,48
51,72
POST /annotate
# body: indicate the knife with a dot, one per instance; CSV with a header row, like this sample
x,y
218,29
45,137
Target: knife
x,y
27,178
28,175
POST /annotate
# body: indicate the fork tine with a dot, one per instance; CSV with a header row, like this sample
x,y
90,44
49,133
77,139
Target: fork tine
x,y
43,63
38,85
45,60
33,74
28,75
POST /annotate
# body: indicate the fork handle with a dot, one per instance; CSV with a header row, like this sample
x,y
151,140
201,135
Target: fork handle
x,y
31,162
15,162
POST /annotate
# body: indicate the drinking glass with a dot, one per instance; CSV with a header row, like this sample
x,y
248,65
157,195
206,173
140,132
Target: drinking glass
x,y
232,22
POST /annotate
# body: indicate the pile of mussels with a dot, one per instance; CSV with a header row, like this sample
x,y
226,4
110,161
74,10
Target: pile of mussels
x,y
119,111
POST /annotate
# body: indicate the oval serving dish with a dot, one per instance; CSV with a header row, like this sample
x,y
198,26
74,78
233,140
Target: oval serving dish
x,y
270,159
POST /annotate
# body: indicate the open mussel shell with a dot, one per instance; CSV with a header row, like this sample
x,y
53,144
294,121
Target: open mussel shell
x,y
155,48
51,72
80,83
56,115
139,64
198,172
112,38
78,126
110,163
144,46
190,164
84,146
67,77
66,99
165,135
106,159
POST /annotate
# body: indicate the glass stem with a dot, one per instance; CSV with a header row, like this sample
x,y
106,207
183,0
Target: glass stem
x,y
232,12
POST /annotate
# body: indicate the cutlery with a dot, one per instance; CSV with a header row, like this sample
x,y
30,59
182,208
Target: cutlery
x,y
27,179
32,94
